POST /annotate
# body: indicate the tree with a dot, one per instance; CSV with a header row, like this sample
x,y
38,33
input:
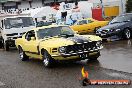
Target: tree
x,y
129,6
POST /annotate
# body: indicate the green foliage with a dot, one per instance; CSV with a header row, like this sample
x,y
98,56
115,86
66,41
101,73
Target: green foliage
x,y
129,6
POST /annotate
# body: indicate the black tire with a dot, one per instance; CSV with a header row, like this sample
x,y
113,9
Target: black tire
x,y
127,34
1,44
95,29
47,59
22,54
6,46
95,57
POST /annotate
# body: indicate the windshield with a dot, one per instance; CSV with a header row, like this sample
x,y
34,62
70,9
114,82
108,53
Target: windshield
x,y
18,22
120,19
54,31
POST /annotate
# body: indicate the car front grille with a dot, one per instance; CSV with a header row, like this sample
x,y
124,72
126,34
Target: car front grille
x,y
80,48
13,34
104,31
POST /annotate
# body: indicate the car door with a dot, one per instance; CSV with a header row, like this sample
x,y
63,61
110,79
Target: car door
x,y
90,26
81,27
31,43
131,23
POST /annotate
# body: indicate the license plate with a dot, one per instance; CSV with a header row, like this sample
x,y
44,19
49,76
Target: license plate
x,y
103,34
83,55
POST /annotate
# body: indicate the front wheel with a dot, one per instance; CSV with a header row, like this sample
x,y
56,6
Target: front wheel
x,y
6,46
127,34
47,59
22,54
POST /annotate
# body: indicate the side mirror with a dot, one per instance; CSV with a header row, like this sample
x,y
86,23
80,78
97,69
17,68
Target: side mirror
x,y
33,38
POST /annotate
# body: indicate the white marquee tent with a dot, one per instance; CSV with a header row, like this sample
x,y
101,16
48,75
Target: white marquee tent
x,y
40,12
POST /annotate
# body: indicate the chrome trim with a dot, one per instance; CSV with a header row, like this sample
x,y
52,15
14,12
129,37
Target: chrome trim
x,y
90,51
55,55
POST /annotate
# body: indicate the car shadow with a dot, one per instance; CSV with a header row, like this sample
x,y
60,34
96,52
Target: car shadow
x,y
67,64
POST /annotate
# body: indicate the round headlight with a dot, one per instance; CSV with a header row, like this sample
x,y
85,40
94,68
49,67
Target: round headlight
x,y
118,29
62,49
98,44
112,30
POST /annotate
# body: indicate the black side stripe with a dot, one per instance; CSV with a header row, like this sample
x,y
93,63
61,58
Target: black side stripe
x,y
32,52
78,39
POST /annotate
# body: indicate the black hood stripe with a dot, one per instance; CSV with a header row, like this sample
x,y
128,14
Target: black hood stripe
x,y
78,39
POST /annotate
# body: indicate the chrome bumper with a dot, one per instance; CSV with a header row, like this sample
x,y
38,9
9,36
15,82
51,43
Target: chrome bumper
x,y
74,54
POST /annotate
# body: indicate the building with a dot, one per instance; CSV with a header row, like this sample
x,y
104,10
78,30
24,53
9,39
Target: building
x,y
109,3
10,6
22,5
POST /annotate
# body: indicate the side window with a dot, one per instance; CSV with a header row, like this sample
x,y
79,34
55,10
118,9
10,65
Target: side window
x,y
82,22
90,21
29,35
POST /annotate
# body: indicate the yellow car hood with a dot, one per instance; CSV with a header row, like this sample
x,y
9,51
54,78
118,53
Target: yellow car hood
x,y
61,41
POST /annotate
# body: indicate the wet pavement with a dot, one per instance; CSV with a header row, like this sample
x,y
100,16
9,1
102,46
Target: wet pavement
x,y
114,63
117,55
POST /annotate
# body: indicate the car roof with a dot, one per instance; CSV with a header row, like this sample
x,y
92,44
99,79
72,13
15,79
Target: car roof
x,y
50,26
86,19
126,14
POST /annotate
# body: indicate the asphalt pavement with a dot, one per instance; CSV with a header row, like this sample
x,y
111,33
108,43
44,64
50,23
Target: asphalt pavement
x,y
114,63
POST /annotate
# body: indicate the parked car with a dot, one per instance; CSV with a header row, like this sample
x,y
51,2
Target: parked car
x,y
119,28
88,25
51,43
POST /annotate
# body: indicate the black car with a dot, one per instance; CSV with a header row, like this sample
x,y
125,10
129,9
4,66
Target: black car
x,y
119,28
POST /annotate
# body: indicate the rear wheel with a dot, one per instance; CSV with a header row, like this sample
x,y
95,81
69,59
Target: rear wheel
x,y
127,34
47,59
96,28
22,54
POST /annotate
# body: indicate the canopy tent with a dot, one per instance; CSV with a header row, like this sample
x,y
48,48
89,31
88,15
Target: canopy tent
x,y
4,1
40,12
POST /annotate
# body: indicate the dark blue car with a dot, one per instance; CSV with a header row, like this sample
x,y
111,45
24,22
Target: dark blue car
x,y
119,28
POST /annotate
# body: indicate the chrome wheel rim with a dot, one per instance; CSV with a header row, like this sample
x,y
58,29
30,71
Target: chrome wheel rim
x,y
21,54
46,61
128,34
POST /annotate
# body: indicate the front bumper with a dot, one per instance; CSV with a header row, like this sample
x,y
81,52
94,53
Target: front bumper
x,y
10,43
77,56
109,36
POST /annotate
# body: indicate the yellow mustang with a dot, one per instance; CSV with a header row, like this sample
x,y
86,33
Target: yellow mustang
x,y
52,43
88,25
